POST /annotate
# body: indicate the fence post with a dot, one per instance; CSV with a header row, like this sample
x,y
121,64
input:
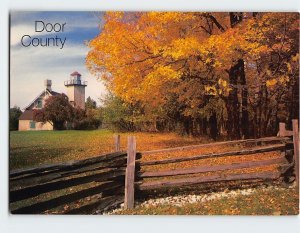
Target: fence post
x,y
281,129
296,148
117,143
130,173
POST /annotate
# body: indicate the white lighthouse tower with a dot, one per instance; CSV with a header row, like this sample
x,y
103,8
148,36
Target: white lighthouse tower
x,y
76,90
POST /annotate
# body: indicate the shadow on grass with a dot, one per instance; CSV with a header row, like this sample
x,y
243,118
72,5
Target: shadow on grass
x,y
31,156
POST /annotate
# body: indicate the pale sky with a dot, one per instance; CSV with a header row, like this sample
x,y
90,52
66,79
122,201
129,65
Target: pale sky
x,y
30,66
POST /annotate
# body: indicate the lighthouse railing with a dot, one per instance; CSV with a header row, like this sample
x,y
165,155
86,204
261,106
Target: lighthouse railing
x,y
75,82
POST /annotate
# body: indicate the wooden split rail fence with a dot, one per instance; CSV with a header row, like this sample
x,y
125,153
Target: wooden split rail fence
x,y
108,180
288,164
69,182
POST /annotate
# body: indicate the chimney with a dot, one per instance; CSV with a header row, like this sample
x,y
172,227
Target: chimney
x,y
48,84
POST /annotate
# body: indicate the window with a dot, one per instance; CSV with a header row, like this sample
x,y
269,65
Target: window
x,y
39,103
32,124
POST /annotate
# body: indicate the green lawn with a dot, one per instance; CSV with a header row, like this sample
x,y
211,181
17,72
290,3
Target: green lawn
x,y
38,147
281,201
32,148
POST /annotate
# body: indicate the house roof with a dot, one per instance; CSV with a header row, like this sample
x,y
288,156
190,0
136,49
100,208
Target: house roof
x,y
27,115
54,93
43,92
75,73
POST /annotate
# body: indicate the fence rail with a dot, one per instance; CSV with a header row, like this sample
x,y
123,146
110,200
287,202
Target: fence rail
x,y
244,141
214,155
103,175
114,178
67,165
204,169
207,179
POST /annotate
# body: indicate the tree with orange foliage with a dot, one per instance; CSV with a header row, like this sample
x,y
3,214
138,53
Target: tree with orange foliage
x,y
202,70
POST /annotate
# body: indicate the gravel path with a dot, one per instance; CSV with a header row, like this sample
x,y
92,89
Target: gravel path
x,y
181,200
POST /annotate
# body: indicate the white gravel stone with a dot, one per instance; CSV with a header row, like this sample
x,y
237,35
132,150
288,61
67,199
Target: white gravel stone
x,y
181,200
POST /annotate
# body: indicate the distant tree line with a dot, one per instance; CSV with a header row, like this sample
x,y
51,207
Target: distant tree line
x,y
14,114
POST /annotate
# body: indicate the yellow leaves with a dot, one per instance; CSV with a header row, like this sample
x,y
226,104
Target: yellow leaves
x,y
165,16
210,90
223,48
289,67
280,80
295,58
183,48
221,89
269,72
167,72
268,33
154,85
292,65
158,76
114,15
222,82
271,82
284,79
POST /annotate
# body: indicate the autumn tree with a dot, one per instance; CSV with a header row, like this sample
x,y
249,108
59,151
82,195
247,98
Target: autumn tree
x,y
212,73
143,57
273,52
57,111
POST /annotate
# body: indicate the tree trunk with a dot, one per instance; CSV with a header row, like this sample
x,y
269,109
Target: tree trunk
x,y
186,125
235,18
264,111
294,106
58,125
244,106
213,124
233,104
237,125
